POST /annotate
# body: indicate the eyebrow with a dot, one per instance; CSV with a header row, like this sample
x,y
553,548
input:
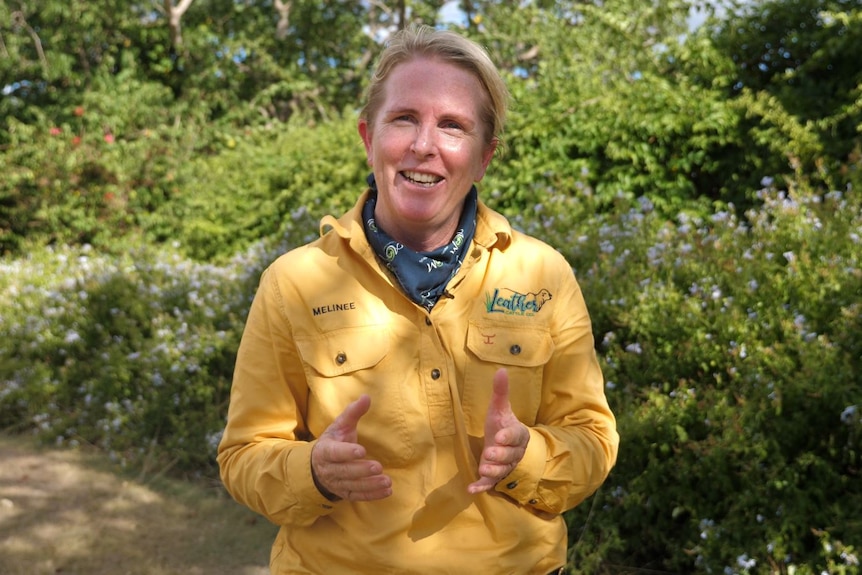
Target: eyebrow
x,y
461,119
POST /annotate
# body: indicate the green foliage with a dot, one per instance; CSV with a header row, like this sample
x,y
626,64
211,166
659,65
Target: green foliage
x,y
726,346
265,183
631,107
618,112
704,184
96,172
618,100
796,75
798,51
133,354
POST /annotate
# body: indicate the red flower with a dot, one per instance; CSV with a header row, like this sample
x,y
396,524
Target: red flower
x,y
55,131
79,111
76,140
109,138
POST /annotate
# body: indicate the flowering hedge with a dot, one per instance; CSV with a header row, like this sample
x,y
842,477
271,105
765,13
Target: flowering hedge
x,y
133,353
732,355
730,346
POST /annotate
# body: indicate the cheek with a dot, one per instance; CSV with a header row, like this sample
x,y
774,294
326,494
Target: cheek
x,y
468,159
391,147
389,137
459,153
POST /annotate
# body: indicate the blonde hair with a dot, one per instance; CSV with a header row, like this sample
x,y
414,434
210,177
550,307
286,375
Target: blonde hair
x,y
420,40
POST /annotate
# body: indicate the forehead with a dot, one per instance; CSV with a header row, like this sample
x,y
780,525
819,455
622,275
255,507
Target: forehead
x,y
435,80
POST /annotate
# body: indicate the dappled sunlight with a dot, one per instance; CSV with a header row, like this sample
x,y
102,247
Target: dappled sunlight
x,y
61,511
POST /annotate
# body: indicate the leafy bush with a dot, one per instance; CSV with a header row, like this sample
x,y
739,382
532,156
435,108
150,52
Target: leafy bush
x,y
730,346
262,181
133,354
141,199
97,172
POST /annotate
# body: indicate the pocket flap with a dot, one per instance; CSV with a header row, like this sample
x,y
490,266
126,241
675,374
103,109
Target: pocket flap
x,y
507,344
344,350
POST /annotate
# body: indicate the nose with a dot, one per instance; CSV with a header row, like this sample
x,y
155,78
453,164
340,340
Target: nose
x,y
424,143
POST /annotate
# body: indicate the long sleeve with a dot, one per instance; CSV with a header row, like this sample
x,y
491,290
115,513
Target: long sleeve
x,y
264,454
574,443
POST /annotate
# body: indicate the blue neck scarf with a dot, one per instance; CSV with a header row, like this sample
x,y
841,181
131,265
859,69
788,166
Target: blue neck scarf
x,y
422,275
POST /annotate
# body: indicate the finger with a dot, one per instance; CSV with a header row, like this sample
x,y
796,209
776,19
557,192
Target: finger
x,y
356,476
482,485
494,470
344,426
370,488
515,436
502,455
331,451
356,486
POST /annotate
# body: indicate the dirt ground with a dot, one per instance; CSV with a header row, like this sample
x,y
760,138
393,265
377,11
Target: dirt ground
x,y
67,512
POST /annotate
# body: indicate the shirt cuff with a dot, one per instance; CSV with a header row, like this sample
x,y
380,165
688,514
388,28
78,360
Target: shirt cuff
x,y
301,482
522,484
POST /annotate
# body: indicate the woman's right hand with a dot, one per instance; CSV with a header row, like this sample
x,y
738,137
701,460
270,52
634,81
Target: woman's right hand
x,y
338,462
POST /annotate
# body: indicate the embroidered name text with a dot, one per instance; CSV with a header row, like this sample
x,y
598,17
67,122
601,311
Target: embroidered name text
x,y
334,307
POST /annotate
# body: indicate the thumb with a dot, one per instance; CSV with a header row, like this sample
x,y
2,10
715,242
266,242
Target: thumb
x,y
344,426
500,398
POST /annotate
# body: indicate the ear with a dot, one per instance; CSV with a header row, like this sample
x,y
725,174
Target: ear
x,y
487,156
365,133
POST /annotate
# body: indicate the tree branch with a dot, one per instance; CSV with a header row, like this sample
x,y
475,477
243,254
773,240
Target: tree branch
x,y
19,20
175,14
283,9
3,49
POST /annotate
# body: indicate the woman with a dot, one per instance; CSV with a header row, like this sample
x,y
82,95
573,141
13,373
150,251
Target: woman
x,y
417,391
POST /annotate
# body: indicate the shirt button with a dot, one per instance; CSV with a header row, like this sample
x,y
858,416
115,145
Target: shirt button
x,y
427,321
435,374
341,358
515,349
512,485
533,501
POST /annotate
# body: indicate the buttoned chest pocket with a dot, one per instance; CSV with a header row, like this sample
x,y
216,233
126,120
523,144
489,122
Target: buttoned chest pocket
x,y
523,351
343,364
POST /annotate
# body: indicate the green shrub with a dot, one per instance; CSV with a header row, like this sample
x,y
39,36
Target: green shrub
x,y
262,182
730,346
729,343
96,173
133,354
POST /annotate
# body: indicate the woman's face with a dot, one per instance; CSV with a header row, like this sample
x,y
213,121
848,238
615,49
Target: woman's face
x,y
427,146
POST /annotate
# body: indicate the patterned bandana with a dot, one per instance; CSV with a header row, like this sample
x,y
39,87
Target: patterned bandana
x,y
423,275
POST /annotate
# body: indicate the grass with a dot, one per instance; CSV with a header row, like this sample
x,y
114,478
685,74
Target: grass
x,y
73,512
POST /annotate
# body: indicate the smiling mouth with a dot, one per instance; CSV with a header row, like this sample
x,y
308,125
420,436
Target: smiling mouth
x,y
420,179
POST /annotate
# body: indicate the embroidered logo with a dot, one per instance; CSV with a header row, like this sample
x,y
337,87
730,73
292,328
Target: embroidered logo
x,y
510,302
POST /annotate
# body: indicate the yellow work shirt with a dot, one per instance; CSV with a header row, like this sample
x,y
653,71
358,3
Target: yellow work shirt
x,y
328,324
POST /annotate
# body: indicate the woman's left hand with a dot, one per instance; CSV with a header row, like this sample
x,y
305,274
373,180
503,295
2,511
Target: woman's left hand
x,y
506,438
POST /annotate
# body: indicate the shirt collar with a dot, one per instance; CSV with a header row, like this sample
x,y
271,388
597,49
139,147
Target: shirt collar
x,y
492,229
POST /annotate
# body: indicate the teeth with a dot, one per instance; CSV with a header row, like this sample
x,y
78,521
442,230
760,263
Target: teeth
x,y
421,178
